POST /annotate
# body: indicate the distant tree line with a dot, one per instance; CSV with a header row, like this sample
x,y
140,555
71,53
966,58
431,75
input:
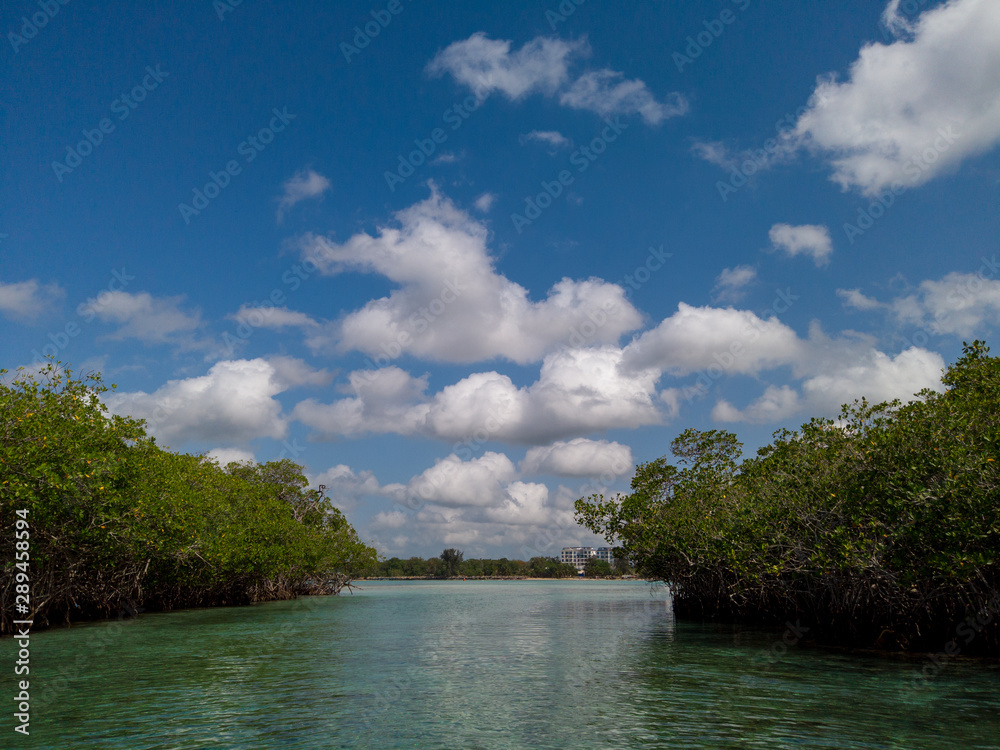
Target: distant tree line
x,y
109,522
452,563
880,529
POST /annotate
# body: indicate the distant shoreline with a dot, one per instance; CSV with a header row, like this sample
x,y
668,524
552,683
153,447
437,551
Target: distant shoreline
x,y
498,578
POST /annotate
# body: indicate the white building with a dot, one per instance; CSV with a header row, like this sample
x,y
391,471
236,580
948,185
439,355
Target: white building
x,y
578,556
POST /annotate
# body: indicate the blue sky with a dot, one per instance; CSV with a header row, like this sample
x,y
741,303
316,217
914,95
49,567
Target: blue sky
x,y
483,261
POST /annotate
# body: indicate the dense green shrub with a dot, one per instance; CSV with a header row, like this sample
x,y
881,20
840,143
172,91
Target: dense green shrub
x,y
435,567
881,528
117,523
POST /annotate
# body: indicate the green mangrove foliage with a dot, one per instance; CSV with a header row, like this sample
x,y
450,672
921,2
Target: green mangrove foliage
x,y
880,529
452,563
597,568
118,524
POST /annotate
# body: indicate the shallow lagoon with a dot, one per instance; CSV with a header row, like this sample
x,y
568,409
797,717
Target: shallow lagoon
x,y
483,664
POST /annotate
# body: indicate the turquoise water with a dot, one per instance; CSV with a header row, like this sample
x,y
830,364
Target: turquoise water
x,y
466,665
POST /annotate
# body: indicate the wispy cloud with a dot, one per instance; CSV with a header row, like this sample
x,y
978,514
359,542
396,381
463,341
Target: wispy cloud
x,y
26,300
485,202
302,185
152,320
552,139
542,65
714,152
958,303
275,318
809,239
607,92
854,298
730,286
486,65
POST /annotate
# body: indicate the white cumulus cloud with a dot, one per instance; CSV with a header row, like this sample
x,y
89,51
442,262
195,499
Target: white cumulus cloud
x,y
877,377
452,482
578,392
450,304
776,404
579,458
276,318
233,403
916,108
958,303
388,400
479,504
837,380
696,338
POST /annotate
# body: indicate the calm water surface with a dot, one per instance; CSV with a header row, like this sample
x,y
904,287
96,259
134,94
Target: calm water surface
x,y
466,665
